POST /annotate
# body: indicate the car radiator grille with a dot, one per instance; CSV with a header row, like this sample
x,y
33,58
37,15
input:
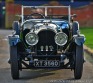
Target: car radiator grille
x,y
46,44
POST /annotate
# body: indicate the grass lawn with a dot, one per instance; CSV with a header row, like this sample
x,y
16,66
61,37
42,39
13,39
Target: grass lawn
x,y
88,32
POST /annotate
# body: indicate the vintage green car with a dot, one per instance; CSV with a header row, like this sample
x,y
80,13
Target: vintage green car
x,y
46,41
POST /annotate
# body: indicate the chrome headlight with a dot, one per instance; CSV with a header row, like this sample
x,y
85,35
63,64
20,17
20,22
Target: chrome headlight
x,y
31,39
61,38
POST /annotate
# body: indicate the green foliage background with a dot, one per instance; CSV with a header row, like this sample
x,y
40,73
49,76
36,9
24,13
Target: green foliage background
x,y
88,32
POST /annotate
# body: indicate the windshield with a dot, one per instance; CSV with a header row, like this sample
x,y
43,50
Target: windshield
x,y
45,12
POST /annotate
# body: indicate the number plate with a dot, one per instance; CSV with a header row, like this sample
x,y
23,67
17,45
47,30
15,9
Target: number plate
x,y
47,63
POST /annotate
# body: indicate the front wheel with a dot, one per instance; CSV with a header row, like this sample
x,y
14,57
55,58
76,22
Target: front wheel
x,y
14,62
78,69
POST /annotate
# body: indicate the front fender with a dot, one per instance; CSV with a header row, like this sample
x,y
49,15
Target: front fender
x,y
13,40
79,40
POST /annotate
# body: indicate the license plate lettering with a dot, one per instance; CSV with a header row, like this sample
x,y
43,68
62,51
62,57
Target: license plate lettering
x,y
56,63
46,63
36,63
41,62
51,63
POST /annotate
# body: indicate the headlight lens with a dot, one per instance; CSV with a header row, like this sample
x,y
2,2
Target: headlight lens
x,y
31,39
61,38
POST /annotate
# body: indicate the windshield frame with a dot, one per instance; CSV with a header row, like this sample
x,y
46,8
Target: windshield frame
x,y
46,10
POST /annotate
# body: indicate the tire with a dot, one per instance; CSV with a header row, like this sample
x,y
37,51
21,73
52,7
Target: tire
x,y
14,62
78,69
75,27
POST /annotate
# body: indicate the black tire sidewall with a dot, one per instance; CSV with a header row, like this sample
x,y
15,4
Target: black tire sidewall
x,y
78,62
14,62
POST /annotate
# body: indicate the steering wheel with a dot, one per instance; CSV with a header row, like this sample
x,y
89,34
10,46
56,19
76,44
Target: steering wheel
x,y
37,15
